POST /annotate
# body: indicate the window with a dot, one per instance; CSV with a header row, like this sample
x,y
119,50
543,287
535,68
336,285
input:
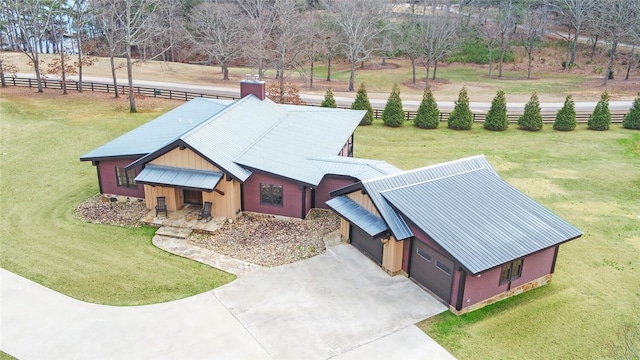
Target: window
x,y
125,178
270,194
443,267
423,254
511,271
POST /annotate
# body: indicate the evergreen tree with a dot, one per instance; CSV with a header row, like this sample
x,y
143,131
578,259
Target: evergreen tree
x,y
362,103
329,101
566,117
601,117
461,117
393,115
428,116
496,119
632,119
531,120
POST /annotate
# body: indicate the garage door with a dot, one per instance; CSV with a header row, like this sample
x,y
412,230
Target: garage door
x,y
431,270
366,244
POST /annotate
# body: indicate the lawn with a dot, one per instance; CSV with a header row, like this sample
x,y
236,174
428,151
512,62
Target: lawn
x,y
591,179
42,181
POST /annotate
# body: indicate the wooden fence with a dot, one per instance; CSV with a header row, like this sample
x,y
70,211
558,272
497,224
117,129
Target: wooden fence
x,y
582,117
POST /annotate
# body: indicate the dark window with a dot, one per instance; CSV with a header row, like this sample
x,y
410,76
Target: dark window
x,y
423,254
125,178
511,271
270,194
443,267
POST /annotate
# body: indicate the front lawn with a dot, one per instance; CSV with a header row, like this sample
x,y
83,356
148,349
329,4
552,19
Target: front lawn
x,y
42,181
591,179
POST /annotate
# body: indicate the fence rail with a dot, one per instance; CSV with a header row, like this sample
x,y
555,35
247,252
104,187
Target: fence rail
x,y
163,93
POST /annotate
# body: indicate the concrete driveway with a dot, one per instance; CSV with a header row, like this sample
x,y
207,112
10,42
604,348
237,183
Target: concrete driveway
x,y
336,305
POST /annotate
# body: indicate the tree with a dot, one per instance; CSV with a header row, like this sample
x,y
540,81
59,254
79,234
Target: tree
x,y
507,19
259,20
428,116
461,117
616,19
286,37
532,32
531,120
601,117
362,103
566,116
80,14
575,13
328,101
393,114
436,35
496,119
632,118
360,24
107,23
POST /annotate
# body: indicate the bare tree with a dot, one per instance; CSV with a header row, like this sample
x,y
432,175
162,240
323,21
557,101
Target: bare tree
x,y
259,20
575,13
215,29
506,20
313,42
617,19
81,17
437,35
109,26
532,31
489,30
360,24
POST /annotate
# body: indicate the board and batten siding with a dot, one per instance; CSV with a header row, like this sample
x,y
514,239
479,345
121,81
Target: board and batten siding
x,y
227,205
173,197
109,182
327,185
291,196
185,158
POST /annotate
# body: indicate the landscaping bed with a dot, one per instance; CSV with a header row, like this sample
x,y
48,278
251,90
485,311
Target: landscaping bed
x,y
101,211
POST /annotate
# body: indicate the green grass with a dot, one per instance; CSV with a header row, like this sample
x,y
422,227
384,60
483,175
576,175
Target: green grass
x,y
591,179
42,182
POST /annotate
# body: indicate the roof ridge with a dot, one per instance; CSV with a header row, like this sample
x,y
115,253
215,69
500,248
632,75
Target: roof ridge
x,y
226,109
264,133
425,168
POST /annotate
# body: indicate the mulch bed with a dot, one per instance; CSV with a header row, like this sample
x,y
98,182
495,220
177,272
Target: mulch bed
x,y
95,210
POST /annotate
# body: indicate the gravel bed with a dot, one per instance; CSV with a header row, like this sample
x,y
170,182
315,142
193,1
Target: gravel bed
x,y
95,210
269,241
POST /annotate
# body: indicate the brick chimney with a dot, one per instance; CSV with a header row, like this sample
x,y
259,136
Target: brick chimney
x,y
252,85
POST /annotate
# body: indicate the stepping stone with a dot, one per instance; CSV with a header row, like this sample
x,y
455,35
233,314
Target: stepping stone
x,y
174,232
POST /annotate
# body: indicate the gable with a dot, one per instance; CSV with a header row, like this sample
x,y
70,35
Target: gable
x,y
184,158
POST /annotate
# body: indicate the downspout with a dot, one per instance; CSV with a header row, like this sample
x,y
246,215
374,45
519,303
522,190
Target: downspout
x,y
97,164
461,283
304,202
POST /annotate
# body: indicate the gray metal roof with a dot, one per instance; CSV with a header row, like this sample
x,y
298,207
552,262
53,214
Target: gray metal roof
x,y
479,219
357,215
158,132
361,169
174,176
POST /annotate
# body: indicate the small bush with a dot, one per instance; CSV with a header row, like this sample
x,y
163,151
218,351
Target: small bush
x,y
476,51
566,116
601,117
362,103
461,117
496,119
328,101
531,120
393,114
632,118
428,116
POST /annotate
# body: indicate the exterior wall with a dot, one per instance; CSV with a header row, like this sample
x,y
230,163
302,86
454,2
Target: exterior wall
x,y
174,198
392,256
344,230
422,237
364,201
291,192
184,159
347,149
327,185
227,205
108,180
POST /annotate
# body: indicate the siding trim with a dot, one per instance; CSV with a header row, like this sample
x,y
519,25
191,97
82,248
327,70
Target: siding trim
x,y
461,283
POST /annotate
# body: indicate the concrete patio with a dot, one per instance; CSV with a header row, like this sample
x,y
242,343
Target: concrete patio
x,y
185,218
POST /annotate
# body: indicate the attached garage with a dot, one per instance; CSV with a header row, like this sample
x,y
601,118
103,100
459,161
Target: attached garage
x,y
366,244
431,270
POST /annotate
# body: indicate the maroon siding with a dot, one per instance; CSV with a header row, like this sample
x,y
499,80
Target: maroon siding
x,y
486,285
291,202
108,180
307,202
327,185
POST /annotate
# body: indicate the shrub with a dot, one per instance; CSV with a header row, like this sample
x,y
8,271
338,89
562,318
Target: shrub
x,y
601,117
531,120
632,118
362,103
496,119
393,115
329,101
566,116
428,116
476,51
461,117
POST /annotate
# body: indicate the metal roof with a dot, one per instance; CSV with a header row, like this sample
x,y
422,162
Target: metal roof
x,y
357,215
174,176
158,132
478,218
361,169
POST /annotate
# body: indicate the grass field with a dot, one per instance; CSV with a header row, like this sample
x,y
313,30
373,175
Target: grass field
x,y
42,181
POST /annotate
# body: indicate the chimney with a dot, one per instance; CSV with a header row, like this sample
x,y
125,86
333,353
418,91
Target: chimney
x,y
252,85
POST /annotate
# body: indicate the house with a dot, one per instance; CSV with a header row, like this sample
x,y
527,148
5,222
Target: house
x,y
457,229
249,154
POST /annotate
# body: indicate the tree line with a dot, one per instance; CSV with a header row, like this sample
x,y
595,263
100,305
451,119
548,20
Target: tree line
x,y
291,36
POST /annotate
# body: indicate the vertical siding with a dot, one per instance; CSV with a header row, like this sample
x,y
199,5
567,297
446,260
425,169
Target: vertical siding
x,y
392,255
364,201
226,205
173,197
344,229
292,196
327,185
184,159
109,182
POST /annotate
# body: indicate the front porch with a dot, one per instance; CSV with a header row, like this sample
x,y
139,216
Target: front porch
x,y
183,220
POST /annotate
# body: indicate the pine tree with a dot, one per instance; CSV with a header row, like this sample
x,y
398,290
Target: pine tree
x,y
461,117
632,118
393,115
601,117
328,101
496,119
362,103
566,117
428,116
531,120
